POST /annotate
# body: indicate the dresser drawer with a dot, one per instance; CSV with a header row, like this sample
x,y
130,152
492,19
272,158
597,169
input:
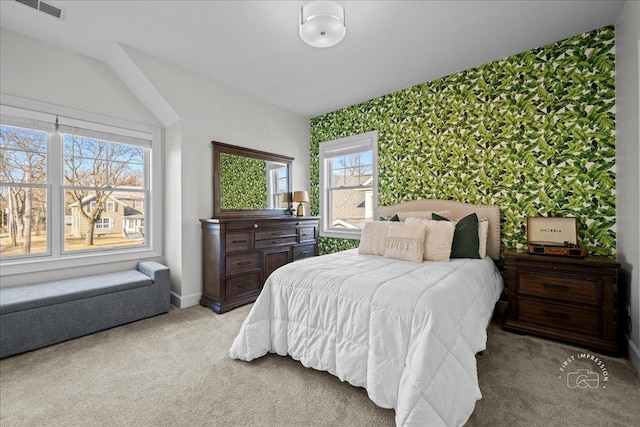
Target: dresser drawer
x,y
242,263
307,234
566,288
243,285
271,234
304,251
238,241
574,318
275,241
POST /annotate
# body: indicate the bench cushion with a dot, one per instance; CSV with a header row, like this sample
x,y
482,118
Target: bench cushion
x,y
20,298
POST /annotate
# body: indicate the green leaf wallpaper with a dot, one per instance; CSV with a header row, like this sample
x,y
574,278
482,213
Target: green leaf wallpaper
x,y
243,182
534,133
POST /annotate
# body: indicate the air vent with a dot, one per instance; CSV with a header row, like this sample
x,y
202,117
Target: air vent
x,y
44,7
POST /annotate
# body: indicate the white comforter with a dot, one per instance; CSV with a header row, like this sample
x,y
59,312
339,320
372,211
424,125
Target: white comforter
x,y
407,332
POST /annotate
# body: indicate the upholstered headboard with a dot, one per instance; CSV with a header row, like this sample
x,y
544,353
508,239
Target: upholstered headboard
x,y
458,210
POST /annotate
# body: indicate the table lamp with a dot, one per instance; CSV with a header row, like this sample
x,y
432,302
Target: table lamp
x,y
300,197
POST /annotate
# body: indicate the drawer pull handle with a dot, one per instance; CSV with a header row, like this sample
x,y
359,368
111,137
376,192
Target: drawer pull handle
x,y
245,285
305,252
556,287
239,241
556,315
277,233
275,242
244,263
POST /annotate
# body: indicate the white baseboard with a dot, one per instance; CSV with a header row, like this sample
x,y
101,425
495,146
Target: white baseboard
x,y
185,301
634,355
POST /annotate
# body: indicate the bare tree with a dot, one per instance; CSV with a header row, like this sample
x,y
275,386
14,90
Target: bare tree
x,y
94,169
23,161
353,165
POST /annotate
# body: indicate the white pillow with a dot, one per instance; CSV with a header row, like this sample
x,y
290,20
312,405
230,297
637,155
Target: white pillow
x,y
405,242
374,237
483,235
422,214
438,238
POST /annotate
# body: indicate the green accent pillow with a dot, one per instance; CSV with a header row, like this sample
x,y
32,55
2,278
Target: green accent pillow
x,y
465,238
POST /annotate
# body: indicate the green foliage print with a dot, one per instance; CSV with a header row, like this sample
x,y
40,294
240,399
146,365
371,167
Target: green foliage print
x,y
243,182
534,133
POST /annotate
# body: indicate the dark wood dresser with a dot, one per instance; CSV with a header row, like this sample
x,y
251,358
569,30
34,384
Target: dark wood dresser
x,y
238,254
569,299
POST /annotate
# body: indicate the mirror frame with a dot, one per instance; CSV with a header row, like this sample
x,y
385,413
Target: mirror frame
x,y
221,147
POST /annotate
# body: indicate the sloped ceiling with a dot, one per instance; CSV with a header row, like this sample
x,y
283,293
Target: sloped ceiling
x,y
253,46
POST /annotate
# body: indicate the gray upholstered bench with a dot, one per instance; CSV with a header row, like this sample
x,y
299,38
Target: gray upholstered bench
x,y
39,315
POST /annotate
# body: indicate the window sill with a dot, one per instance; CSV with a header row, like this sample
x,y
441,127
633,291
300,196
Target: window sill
x,y
46,263
341,234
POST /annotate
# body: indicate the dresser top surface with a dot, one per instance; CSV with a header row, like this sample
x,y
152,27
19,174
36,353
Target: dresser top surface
x,y
219,220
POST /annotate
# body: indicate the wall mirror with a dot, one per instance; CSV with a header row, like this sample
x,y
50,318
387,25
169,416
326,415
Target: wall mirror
x,y
250,182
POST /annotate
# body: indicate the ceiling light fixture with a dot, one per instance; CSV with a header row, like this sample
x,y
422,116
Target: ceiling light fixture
x,y
322,23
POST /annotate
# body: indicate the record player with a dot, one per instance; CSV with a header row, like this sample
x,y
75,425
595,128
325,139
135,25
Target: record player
x,y
553,236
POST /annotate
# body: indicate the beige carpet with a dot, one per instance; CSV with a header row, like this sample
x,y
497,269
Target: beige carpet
x,y
174,370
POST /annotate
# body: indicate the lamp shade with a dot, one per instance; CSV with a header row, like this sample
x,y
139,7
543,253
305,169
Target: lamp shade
x,y
322,23
300,196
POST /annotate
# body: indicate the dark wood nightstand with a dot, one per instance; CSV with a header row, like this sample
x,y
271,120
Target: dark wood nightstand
x,y
569,299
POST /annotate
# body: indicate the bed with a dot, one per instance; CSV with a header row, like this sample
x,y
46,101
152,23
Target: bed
x,y
408,332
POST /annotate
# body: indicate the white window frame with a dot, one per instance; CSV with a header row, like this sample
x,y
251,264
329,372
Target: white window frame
x,y
329,149
99,224
110,206
56,258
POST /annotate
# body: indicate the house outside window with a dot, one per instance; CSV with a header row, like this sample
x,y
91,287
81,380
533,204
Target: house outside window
x,y
60,174
348,184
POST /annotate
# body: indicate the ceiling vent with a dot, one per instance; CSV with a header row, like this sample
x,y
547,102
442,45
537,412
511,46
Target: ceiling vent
x,y
44,7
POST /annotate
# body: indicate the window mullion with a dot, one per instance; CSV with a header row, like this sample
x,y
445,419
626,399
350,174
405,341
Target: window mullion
x,y
56,204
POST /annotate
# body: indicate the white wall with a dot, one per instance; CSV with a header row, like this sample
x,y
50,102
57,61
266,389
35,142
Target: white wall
x,y
35,70
211,111
39,71
628,164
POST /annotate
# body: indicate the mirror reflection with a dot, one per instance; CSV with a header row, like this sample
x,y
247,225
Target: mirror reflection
x,y
250,183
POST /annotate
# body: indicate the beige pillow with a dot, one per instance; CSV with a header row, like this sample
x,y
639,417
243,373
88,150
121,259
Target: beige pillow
x,y
422,214
438,238
405,242
483,235
374,237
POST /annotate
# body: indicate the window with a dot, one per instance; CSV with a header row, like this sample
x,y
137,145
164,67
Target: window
x,y
348,184
104,223
61,174
23,187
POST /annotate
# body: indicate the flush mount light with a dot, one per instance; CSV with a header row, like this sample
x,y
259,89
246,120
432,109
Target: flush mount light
x,y
322,23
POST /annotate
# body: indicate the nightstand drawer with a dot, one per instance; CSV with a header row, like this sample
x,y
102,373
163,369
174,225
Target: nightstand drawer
x,y
574,318
566,288
242,263
243,285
